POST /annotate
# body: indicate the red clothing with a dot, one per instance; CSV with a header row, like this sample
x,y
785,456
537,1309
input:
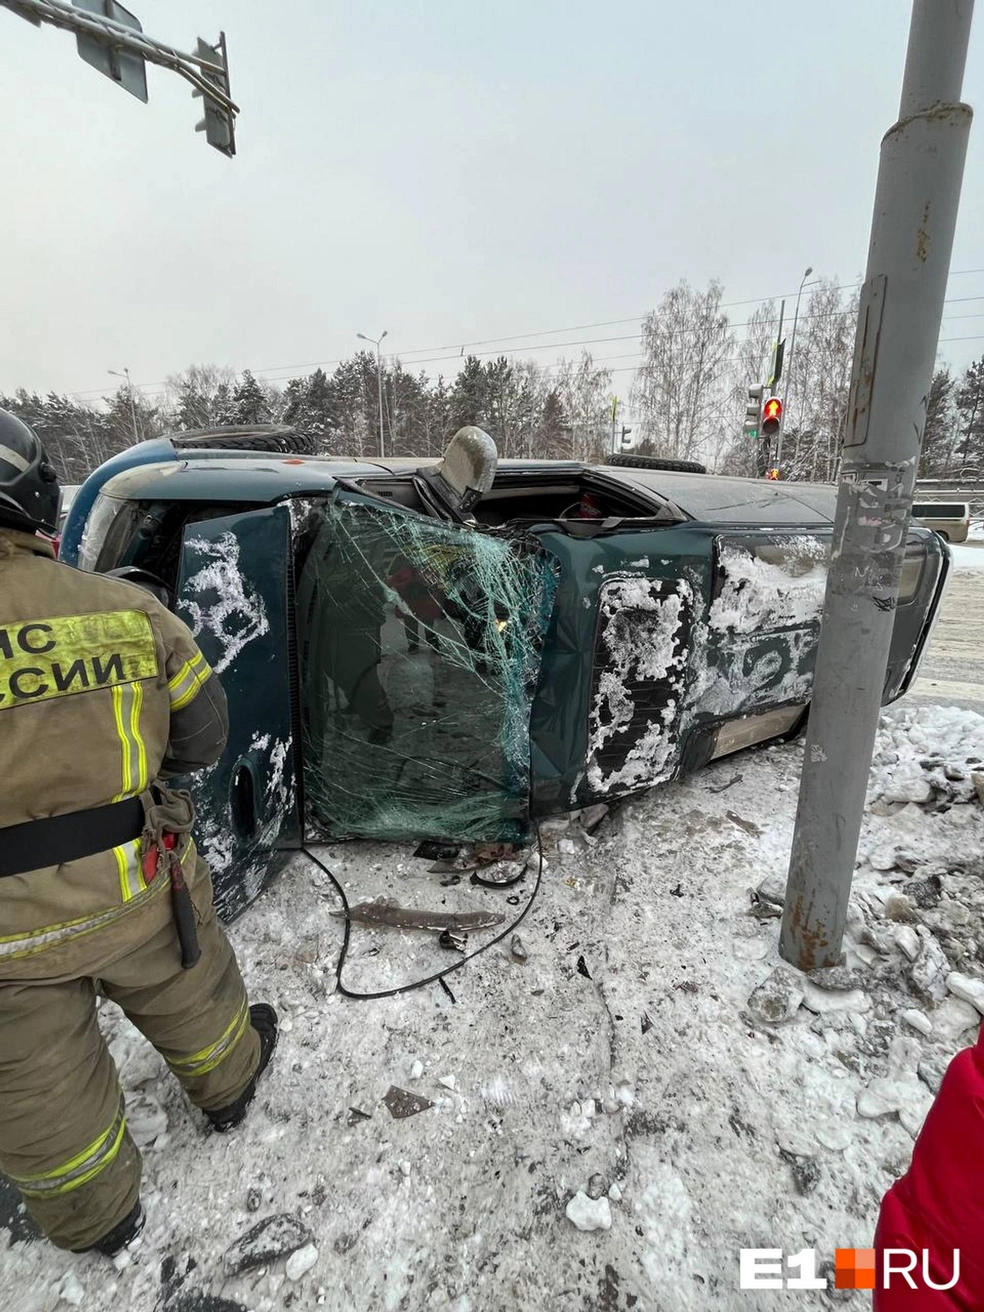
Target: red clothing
x,y
939,1203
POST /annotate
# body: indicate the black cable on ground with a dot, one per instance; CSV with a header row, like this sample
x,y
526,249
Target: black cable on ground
x,y
438,976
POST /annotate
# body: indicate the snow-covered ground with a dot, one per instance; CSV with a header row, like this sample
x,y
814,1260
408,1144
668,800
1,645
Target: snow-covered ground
x,y
969,554
641,1042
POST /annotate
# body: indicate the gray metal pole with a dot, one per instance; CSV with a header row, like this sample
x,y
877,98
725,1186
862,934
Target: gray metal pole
x,y
916,200
133,408
379,388
789,365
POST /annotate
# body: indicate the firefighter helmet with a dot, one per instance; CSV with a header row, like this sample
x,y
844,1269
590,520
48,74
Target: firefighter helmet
x,y
29,493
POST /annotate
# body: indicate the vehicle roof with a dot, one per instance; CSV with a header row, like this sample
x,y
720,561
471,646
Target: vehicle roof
x,y
262,477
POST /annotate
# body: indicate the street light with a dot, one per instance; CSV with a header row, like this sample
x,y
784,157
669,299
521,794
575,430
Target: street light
x,y
379,383
129,387
792,353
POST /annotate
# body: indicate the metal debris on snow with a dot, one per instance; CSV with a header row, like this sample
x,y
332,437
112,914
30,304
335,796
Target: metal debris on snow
x,y
402,1103
449,938
436,849
720,788
268,1240
749,826
388,912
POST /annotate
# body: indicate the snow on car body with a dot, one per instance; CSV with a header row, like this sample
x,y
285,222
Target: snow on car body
x,y
395,670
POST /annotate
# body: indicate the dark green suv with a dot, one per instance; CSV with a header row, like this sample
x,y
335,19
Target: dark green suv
x,y
414,651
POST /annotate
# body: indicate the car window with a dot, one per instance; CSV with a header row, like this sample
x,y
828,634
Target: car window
x,y
418,644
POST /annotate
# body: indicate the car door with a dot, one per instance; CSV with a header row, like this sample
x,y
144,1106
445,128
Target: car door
x,y
235,593
763,623
419,648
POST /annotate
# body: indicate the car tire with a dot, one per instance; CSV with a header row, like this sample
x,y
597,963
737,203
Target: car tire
x,y
283,440
625,461
942,533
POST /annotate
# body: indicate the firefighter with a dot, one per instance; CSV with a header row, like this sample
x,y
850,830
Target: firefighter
x,y
103,693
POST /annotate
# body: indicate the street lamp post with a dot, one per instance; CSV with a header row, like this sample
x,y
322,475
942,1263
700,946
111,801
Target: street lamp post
x,y
379,383
133,409
792,355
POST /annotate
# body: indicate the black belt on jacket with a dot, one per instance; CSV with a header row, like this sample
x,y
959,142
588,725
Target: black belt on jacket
x,y
36,844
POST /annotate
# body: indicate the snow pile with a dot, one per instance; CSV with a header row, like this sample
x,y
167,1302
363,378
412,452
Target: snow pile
x,y
916,761
610,1111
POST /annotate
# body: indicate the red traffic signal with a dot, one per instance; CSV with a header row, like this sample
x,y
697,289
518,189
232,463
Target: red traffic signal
x,y
771,416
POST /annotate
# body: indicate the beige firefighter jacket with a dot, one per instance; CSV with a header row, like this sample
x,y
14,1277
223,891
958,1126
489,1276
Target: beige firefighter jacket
x,y
101,689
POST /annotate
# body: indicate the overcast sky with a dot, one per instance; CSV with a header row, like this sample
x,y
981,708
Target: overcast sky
x,y
451,171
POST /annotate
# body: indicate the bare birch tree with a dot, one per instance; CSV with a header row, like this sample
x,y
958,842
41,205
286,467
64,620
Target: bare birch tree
x,y
681,387
824,354
585,393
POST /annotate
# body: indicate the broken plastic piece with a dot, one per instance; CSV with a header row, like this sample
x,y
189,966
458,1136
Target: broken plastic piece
x,y
389,913
402,1103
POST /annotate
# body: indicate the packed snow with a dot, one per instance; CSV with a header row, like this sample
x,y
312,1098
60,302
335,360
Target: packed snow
x,y
640,629
762,594
622,1092
221,602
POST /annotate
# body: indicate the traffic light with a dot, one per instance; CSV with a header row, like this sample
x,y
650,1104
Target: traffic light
x,y
771,416
753,411
218,123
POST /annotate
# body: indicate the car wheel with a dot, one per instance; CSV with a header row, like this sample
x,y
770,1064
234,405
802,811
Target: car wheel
x,y
941,532
625,461
284,440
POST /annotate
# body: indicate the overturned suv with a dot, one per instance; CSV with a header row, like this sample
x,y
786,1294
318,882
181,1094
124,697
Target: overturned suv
x,y
451,648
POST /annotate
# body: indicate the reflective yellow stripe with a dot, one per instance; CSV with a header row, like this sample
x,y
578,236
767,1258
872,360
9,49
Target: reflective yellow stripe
x,y
14,947
66,655
130,870
183,686
124,741
200,1063
81,1168
141,783
197,662
127,701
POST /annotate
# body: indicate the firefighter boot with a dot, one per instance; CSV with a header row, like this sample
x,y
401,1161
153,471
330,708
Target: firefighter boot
x,y
263,1019
123,1233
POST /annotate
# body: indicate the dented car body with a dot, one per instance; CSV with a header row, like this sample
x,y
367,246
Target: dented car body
x,y
400,667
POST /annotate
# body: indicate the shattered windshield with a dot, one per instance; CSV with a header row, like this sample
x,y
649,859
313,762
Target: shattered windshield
x,y
419,651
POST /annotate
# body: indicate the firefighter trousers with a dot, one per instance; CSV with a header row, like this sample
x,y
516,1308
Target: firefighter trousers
x,y
63,1136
